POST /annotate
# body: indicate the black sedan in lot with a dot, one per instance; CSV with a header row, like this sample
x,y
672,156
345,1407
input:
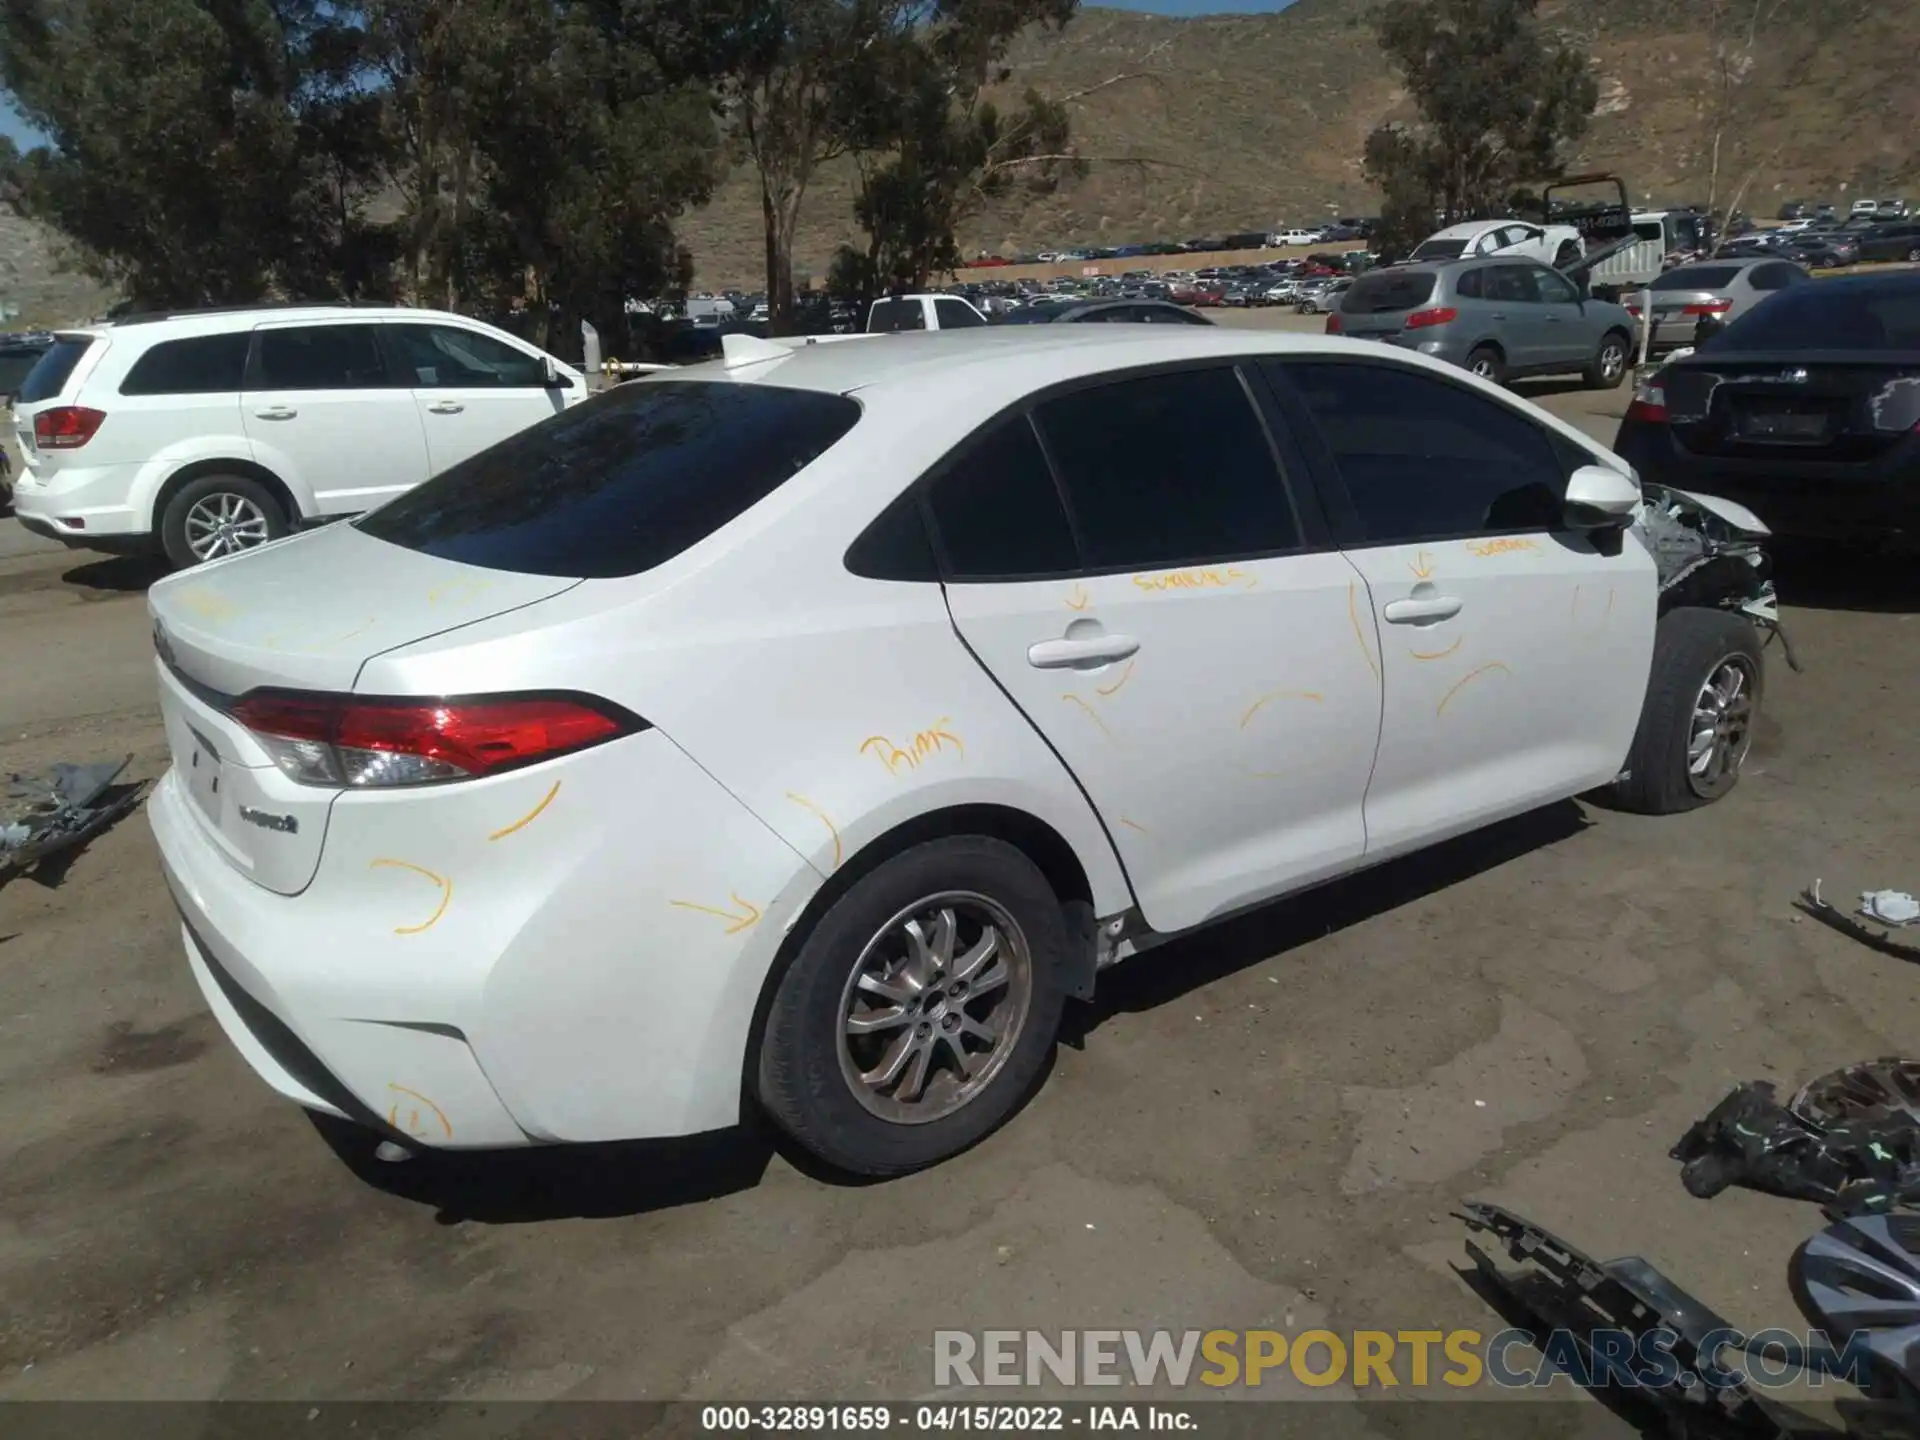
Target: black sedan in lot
x,y
1896,240
1806,410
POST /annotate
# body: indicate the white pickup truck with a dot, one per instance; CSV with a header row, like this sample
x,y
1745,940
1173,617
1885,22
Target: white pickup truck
x,y
921,312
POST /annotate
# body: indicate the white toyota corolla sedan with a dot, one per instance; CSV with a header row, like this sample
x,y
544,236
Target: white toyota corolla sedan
x,y
802,729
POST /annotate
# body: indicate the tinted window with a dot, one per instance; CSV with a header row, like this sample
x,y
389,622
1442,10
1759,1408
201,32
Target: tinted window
x,y
439,357
1469,286
1168,469
1511,284
1440,250
997,512
1386,291
955,315
1698,277
320,357
1833,315
50,373
620,483
15,364
1775,277
894,546
1423,459
1168,315
205,365
888,316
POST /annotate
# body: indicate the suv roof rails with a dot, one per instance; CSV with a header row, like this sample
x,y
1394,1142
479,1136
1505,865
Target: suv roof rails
x,y
185,312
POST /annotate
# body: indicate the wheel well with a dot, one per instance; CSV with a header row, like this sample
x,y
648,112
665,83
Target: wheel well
x,y
188,473
1494,345
1033,837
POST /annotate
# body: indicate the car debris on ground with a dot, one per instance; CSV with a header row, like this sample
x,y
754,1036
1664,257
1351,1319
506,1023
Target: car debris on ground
x,y
1894,909
42,815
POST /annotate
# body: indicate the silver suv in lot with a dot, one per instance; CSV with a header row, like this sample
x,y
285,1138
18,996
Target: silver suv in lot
x,y
1499,318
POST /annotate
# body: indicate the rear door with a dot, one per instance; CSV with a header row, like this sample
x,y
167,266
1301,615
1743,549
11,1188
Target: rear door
x,y
471,389
1514,652
1176,626
1518,316
1565,341
324,411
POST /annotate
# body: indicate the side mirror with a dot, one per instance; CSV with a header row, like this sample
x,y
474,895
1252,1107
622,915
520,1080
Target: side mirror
x,y
1598,496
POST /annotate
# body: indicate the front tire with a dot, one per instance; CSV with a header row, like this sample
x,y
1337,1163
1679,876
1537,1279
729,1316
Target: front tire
x,y
1696,725
1609,364
920,1010
219,515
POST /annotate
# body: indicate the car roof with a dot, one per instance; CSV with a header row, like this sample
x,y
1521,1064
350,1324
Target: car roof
x,y
221,320
1000,365
1468,229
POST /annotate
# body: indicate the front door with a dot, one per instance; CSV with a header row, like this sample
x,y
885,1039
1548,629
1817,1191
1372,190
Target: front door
x,y
1515,652
1206,670
472,390
323,411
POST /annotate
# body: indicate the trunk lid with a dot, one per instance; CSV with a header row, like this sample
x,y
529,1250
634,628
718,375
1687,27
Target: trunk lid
x,y
306,616
1825,408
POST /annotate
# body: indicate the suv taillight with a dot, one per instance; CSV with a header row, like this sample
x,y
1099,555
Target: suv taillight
x,y
66,427
1649,404
349,740
1333,322
1438,315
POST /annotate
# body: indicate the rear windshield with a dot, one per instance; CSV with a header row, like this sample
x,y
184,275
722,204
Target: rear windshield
x,y
49,377
1698,277
1828,316
1386,291
620,483
1439,250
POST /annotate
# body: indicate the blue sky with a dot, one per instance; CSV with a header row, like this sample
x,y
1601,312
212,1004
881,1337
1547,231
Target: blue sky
x,y
12,125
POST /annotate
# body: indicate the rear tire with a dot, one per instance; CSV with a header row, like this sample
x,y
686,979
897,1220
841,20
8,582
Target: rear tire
x,y
1913,256
1694,708
1609,364
862,995
219,515
1487,363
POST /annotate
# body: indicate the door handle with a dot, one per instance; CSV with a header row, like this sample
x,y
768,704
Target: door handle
x,y
1416,612
277,412
1077,654
446,407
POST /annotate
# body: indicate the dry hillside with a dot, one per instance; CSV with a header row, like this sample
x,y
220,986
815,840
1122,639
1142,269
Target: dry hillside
x,y
1238,122
1241,122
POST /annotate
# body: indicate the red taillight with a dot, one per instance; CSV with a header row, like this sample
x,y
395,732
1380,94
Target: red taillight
x,y
1333,322
66,427
1649,405
346,740
1438,315
1709,307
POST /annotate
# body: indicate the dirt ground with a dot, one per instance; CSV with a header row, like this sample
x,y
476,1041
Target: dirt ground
x,y
1264,1124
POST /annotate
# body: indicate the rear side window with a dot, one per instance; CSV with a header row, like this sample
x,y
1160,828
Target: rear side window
x,y
955,315
1168,470
1833,315
1425,460
320,357
1440,250
50,375
997,512
1386,292
1775,276
204,365
890,316
620,483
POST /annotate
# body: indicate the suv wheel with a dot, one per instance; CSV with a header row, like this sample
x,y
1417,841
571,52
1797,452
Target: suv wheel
x,y
920,1011
1485,362
1913,255
1609,365
218,515
1696,725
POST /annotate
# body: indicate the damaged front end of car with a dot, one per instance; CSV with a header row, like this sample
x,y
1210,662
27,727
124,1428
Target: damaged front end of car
x,y
1711,553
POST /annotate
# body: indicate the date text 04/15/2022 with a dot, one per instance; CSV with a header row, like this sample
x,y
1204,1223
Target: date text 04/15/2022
x,y
942,1419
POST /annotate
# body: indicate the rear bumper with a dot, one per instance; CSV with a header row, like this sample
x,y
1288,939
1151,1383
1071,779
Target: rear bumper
x,y
100,497
583,978
1866,508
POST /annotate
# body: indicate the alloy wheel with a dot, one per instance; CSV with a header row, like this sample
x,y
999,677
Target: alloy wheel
x,y
1613,361
1722,728
934,1007
224,523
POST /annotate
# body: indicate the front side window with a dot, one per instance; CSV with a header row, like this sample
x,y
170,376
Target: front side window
x,y
998,513
1167,470
320,357
441,357
1423,459
620,483
1553,288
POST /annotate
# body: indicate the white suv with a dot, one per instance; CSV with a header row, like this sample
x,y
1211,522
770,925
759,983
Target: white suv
x,y
206,433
